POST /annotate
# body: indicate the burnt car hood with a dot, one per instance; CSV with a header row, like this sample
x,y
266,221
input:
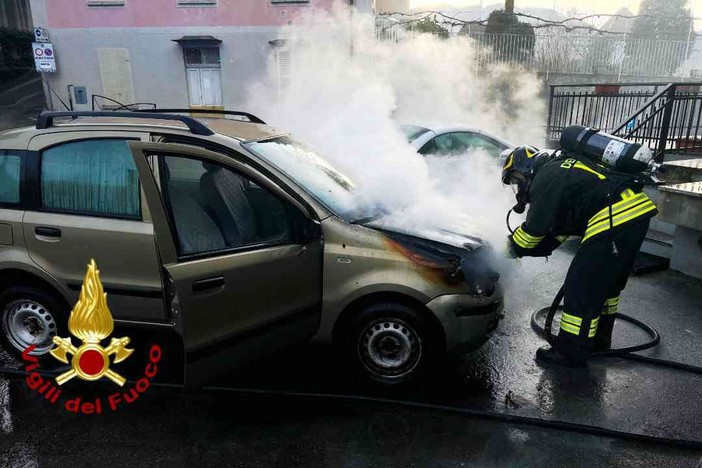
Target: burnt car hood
x,y
455,257
440,236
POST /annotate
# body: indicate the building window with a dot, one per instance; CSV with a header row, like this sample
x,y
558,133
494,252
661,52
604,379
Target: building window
x,y
202,57
282,62
203,69
105,3
197,2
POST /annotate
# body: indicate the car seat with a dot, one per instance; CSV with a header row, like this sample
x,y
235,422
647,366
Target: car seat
x,y
225,195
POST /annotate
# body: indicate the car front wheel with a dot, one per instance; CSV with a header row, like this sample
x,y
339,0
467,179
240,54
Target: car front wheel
x,y
392,343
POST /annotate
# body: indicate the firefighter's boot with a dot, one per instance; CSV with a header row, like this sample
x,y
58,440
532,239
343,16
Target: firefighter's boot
x,y
603,339
549,355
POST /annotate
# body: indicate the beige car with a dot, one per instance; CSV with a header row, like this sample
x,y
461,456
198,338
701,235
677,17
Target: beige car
x,y
230,235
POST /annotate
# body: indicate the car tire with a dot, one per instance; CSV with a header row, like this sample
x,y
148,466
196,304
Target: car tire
x,y
30,315
392,343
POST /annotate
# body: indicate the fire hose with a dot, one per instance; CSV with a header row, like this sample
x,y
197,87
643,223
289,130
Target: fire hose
x,y
543,330
542,322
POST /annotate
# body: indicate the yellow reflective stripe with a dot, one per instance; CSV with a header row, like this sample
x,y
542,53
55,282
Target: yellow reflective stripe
x,y
612,301
582,166
619,220
525,240
571,319
620,213
610,310
521,242
618,207
561,239
628,193
509,163
528,236
570,328
593,327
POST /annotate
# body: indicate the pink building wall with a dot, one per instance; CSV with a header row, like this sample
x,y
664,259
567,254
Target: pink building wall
x,y
167,13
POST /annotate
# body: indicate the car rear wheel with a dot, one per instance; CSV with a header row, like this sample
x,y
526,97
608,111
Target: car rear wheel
x,y
30,316
392,343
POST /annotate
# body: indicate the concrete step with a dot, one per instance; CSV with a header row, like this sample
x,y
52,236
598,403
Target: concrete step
x,y
658,243
682,171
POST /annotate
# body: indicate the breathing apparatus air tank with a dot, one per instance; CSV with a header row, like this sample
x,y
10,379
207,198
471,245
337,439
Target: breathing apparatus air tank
x,y
611,151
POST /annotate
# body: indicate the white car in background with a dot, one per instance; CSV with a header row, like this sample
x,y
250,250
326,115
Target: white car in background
x,y
455,141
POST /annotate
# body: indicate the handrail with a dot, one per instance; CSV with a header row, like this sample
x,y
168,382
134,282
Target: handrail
x,y
127,106
46,119
105,98
120,105
643,108
252,118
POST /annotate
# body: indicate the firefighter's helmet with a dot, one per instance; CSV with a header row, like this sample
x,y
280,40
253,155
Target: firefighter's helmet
x,y
521,160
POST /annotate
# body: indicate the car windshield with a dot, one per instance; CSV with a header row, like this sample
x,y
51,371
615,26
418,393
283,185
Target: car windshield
x,y
412,132
313,173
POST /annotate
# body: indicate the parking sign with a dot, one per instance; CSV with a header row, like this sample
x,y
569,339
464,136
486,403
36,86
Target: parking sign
x,y
44,58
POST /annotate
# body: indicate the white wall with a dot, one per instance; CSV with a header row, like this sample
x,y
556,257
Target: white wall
x,y
158,69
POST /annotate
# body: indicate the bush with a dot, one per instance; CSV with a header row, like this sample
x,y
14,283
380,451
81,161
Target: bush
x,y
16,48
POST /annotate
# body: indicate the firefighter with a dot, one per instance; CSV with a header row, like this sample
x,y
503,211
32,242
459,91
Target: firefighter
x,y
576,197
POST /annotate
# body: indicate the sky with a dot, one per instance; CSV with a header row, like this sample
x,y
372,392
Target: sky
x,y
588,6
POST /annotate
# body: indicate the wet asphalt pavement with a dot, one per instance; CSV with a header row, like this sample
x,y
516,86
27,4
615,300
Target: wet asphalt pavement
x,y
231,428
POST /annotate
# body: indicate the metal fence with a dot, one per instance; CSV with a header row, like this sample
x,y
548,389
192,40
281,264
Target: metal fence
x,y
574,53
591,54
664,117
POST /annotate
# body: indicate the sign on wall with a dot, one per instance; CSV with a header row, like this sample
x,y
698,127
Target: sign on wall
x,y
44,57
41,35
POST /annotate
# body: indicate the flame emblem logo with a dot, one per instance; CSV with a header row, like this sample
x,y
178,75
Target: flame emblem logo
x,y
91,322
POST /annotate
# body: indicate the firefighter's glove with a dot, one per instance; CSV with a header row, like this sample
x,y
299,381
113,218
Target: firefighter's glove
x,y
510,251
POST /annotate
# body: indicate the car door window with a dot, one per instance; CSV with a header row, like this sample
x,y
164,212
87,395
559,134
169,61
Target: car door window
x,y
474,141
444,144
460,143
213,207
93,177
9,178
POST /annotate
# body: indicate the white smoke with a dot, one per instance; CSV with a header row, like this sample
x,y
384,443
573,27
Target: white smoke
x,y
348,92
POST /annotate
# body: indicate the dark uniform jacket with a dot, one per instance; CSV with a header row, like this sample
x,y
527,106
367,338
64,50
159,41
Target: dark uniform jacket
x,y
570,197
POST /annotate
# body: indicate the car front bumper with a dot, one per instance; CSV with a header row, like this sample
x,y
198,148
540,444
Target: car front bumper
x,y
468,320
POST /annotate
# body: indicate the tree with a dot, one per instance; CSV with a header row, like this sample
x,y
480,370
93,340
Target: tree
x,y
512,39
430,26
661,20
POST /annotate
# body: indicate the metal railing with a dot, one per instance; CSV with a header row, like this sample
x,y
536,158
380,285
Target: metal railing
x,y
100,102
572,53
579,54
665,117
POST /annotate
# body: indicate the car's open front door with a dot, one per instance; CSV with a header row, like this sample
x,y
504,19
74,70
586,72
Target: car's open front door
x,y
243,257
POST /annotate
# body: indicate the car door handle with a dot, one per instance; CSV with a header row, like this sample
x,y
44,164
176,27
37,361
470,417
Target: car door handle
x,y
207,284
47,232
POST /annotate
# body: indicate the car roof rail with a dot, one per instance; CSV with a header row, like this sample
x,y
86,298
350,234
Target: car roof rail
x,y
252,118
46,119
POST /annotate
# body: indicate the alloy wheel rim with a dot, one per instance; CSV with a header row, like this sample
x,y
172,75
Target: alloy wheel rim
x,y
25,323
